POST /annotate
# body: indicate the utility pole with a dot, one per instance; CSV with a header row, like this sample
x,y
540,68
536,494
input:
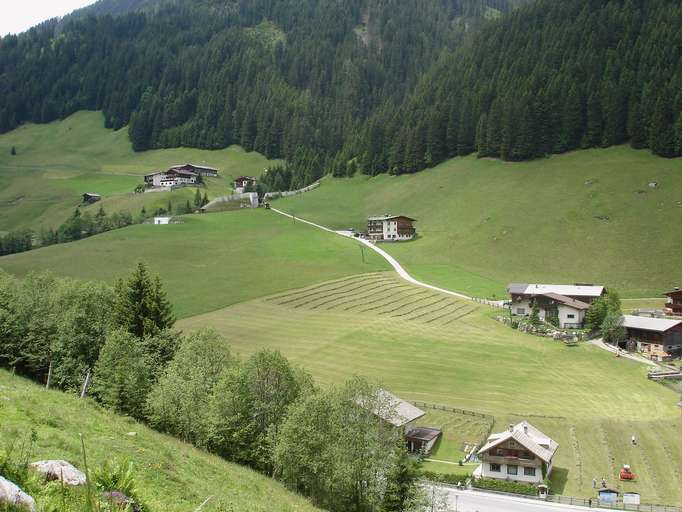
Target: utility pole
x,y
49,376
362,251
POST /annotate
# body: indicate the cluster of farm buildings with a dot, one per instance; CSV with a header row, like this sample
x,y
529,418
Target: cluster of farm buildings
x,y
522,453
657,335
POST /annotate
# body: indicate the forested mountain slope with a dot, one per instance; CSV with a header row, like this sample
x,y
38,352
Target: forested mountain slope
x,y
277,77
551,77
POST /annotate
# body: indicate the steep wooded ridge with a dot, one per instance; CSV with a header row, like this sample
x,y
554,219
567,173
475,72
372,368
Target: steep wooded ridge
x,y
551,77
272,76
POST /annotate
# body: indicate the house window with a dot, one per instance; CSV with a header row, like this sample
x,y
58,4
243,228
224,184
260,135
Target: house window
x,y
520,311
570,316
495,468
512,470
529,471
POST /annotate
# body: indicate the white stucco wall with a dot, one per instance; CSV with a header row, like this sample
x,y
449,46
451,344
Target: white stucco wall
x,y
503,475
565,311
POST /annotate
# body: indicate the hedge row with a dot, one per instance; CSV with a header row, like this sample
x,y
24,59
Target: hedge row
x,y
505,486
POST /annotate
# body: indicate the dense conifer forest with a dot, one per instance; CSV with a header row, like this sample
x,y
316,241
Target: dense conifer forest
x,y
360,85
552,77
272,76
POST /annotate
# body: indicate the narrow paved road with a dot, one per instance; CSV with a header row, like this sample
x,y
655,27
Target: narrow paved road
x,y
391,260
474,501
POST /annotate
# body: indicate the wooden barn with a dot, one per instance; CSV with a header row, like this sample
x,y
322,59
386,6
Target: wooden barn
x,y
657,338
91,197
201,170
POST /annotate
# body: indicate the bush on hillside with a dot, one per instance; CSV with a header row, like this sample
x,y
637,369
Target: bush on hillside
x,y
122,377
249,404
179,403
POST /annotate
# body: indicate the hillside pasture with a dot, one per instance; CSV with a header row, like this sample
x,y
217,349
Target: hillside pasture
x,y
170,475
585,216
383,328
57,162
209,261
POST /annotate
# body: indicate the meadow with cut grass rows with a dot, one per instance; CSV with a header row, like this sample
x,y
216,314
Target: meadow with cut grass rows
x,y
57,162
429,347
585,216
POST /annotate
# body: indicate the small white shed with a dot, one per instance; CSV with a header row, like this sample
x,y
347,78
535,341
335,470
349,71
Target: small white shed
x,y
162,220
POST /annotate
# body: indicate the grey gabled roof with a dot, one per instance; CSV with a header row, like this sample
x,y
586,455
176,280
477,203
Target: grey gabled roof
x,y
646,323
568,301
394,410
560,289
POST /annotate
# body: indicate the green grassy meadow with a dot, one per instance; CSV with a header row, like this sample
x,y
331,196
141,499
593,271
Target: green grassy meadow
x,y
56,163
586,216
210,261
170,475
430,347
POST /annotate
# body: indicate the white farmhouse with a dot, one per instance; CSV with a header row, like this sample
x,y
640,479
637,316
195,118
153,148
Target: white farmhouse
x,y
522,454
569,302
390,228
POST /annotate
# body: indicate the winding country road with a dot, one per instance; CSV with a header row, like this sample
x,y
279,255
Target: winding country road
x,y
404,274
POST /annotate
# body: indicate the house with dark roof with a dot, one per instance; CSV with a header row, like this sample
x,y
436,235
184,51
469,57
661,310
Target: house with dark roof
x,y
656,338
568,303
521,453
390,228
200,170
91,197
243,182
171,178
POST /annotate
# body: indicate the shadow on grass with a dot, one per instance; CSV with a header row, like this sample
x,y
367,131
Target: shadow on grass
x,y
559,478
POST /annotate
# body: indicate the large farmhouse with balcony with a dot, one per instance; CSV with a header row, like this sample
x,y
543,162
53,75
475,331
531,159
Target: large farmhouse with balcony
x,y
171,178
568,302
522,453
390,228
656,338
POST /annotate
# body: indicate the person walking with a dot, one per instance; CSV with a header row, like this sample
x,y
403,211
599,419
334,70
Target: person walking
x,y
634,441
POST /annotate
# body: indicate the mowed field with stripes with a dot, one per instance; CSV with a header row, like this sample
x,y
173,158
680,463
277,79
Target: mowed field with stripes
x,y
382,295
435,348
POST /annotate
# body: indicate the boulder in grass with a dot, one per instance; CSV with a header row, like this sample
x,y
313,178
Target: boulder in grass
x,y
10,493
118,499
60,470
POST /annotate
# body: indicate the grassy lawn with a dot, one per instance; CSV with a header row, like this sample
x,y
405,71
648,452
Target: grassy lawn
x,y
170,475
586,216
432,348
459,432
211,260
57,162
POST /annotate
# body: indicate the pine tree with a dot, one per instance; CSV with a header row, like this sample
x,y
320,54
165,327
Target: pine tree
x,y
141,307
13,151
197,199
662,136
204,200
